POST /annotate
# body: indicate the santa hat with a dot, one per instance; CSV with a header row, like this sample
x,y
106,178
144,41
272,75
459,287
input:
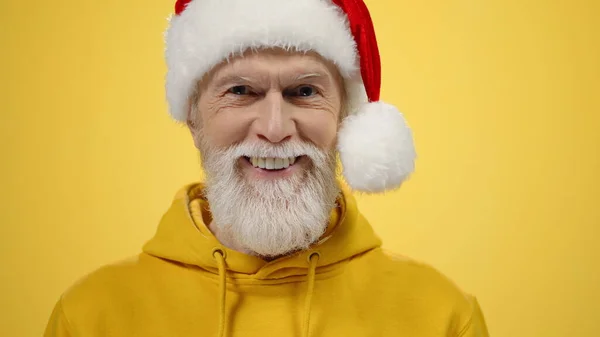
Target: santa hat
x,y
374,142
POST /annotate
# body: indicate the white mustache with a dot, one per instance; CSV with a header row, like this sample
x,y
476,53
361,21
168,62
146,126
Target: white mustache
x,y
285,150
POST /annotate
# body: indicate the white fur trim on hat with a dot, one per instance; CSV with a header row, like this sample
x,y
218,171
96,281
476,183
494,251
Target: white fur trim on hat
x,y
208,32
376,148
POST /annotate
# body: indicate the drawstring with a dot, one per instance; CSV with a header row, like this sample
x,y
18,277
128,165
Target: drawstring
x,y
219,255
313,259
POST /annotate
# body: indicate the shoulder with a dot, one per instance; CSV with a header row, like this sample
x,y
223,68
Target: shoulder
x,y
113,286
427,290
110,278
408,272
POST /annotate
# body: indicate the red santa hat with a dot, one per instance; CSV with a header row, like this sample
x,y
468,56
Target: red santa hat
x,y
374,142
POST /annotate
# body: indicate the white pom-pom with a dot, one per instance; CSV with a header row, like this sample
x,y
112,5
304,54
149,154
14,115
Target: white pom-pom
x,y
376,148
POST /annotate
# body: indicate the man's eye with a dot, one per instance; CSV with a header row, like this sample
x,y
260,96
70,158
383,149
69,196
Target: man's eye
x,y
240,90
303,91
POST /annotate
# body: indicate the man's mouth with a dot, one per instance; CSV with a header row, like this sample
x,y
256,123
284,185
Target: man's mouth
x,y
271,163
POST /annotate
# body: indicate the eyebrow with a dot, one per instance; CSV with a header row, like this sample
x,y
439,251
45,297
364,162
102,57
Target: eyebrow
x,y
234,78
305,76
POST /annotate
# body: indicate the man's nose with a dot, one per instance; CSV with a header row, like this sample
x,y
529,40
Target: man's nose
x,y
275,123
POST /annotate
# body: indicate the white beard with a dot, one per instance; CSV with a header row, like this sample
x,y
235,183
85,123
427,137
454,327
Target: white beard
x,y
275,217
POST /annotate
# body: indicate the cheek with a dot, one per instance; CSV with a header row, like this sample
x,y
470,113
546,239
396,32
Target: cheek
x,y
226,128
320,128
223,125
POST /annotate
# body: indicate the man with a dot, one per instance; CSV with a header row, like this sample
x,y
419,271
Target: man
x,y
272,243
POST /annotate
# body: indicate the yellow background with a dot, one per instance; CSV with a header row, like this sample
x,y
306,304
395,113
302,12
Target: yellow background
x,y
503,96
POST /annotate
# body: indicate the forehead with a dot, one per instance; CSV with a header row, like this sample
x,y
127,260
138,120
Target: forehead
x,y
260,63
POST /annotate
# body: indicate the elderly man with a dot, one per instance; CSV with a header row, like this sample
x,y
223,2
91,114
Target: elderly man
x,y
272,243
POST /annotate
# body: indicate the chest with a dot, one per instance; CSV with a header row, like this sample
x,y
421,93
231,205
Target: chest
x,y
336,309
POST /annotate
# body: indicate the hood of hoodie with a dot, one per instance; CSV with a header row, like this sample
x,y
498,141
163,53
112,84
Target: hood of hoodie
x,y
183,236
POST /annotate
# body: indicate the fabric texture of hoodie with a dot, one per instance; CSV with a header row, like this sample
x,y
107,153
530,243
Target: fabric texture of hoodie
x,y
186,283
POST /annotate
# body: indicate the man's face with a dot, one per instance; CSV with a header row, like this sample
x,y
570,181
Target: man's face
x,y
266,126
271,96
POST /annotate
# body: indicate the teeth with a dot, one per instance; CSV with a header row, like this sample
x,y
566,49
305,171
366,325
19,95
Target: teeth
x,y
278,163
272,163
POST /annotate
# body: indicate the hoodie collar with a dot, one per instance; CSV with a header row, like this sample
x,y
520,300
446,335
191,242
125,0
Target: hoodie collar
x,y
183,236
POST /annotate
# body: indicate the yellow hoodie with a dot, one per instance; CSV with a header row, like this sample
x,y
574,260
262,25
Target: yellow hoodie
x,y
185,283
